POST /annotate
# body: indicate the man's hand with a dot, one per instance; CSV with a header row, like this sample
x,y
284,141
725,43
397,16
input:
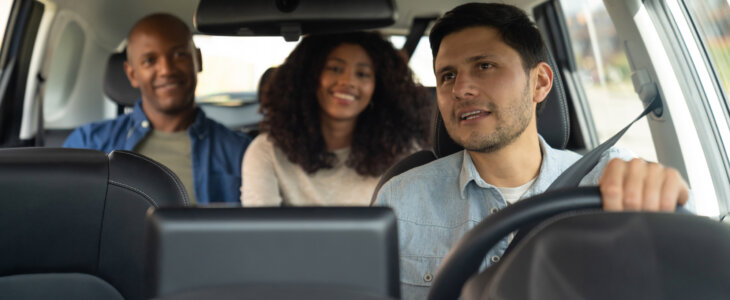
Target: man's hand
x,y
641,185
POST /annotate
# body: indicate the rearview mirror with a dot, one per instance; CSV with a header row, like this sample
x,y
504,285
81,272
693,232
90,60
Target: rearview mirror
x,y
291,18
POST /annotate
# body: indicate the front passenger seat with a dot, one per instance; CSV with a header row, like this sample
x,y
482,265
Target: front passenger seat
x,y
72,221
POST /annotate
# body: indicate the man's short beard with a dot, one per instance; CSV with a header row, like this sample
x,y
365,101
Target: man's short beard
x,y
503,136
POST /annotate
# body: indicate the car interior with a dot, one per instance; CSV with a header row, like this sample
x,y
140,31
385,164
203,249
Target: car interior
x,y
83,224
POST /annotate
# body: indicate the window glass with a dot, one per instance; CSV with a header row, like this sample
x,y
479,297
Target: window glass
x,y
421,62
233,65
605,75
5,7
712,20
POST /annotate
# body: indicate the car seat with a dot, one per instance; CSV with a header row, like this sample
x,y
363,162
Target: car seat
x,y
72,221
116,83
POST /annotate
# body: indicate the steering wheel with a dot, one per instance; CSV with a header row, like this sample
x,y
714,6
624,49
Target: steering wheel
x,y
467,255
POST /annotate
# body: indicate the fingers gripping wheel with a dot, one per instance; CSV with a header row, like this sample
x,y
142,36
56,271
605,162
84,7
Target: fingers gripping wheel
x,y
467,255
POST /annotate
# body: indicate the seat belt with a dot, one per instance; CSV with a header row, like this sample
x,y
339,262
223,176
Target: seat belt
x,y
40,130
572,176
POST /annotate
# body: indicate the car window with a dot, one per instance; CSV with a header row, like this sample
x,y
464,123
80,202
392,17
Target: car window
x,y
5,7
712,22
605,75
704,28
233,65
421,61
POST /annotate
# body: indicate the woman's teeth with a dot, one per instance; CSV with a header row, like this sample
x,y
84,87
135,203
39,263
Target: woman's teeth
x,y
345,96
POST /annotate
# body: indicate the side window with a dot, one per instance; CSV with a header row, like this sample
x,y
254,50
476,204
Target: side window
x,y
712,22
5,7
605,76
64,70
421,61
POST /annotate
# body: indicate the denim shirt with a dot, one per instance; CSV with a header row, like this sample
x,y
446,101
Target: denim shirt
x,y
437,203
216,151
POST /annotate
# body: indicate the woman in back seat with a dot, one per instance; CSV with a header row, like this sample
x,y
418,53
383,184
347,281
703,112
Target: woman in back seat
x,y
338,113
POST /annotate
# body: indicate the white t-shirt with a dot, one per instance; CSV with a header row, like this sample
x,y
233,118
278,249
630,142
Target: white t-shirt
x,y
513,194
270,179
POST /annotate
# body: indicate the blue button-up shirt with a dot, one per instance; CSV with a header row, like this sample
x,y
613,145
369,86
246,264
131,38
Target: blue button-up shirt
x,y
437,203
216,151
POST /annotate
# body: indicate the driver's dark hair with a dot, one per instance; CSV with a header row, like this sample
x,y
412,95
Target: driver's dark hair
x,y
512,23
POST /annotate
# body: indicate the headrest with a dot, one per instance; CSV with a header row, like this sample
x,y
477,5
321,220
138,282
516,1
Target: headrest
x,y
116,83
291,19
161,186
51,210
80,211
553,123
343,247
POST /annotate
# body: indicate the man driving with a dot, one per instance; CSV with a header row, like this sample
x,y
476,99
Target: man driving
x,y
492,76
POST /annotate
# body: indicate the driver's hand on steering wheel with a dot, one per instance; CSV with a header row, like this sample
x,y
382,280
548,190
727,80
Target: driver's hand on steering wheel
x,y
641,185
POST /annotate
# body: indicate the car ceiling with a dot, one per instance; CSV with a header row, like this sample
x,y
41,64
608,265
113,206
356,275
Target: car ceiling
x,y
111,19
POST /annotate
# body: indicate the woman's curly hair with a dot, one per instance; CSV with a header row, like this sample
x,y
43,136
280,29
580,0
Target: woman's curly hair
x,y
397,120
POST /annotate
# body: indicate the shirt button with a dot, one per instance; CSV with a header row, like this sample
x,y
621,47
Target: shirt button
x,y
428,277
145,124
495,259
494,210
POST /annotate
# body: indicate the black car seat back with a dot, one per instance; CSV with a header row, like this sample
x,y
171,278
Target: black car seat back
x,y
73,221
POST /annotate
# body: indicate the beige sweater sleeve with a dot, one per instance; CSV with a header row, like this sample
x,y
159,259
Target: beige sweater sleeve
x,y
260,185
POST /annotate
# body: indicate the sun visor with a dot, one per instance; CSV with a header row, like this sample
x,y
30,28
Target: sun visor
x,y
291,18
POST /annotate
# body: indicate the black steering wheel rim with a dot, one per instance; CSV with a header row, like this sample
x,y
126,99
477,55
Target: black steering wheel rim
x,y
467,254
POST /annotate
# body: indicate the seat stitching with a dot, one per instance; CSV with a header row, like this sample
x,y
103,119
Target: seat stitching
x,y
119,184
563,108
177,183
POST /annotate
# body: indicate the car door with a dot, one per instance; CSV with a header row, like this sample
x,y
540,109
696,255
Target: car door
x,y
610,52
21,28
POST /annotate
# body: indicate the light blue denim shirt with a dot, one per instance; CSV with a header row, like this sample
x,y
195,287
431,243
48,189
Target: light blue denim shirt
x,y
437,203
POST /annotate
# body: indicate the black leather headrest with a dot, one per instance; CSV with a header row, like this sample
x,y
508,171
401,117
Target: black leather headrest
x,y
355,248
80,211
553,123
116,83
51,210
161,185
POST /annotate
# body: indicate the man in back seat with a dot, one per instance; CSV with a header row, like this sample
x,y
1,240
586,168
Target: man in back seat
x,y
165,125
491,73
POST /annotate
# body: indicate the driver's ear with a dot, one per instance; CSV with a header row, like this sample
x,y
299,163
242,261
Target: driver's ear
x,y
543,82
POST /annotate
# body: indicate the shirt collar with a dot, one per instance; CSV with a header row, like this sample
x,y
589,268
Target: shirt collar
x,y
469,172
197,129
